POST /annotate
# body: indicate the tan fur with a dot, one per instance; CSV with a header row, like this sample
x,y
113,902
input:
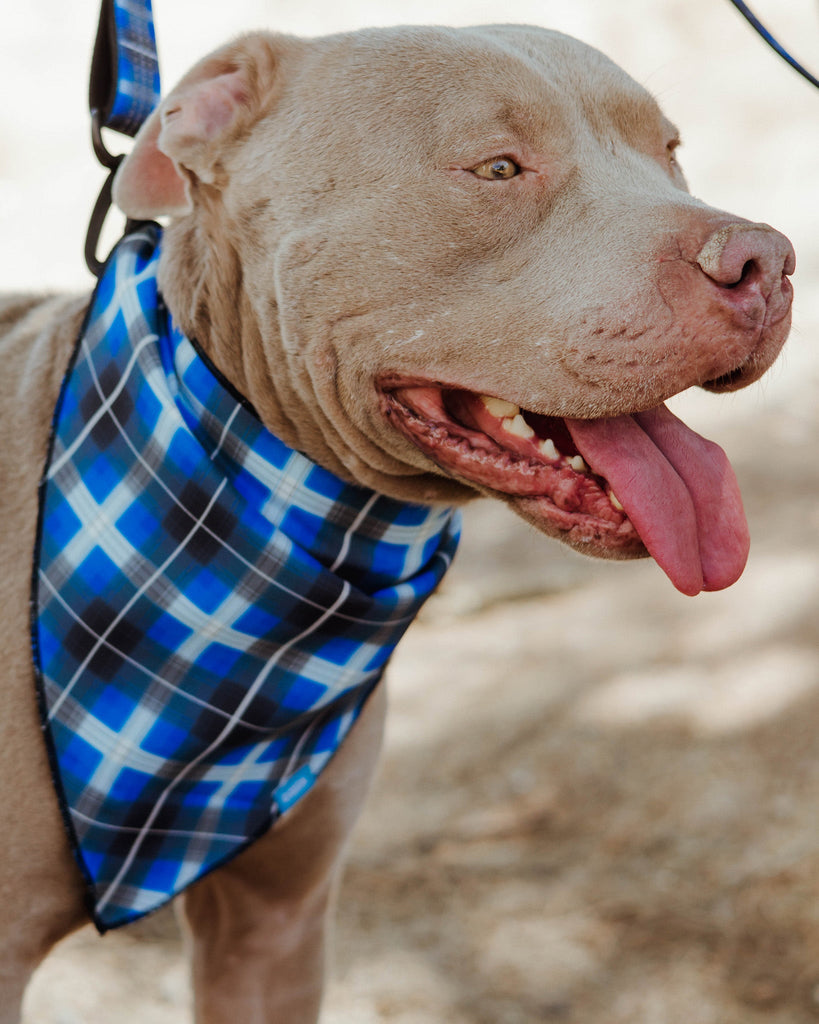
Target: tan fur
x,y
327,231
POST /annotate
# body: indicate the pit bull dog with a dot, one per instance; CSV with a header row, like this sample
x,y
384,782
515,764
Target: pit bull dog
x,y
417,265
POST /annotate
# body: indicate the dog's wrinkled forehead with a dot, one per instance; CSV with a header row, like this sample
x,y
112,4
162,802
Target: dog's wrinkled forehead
x,y
425,86
381,104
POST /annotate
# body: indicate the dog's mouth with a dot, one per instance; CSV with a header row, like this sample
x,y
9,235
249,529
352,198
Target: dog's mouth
x,y
621,487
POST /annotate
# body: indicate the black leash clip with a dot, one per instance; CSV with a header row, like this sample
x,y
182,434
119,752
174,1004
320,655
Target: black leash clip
x,y
111,162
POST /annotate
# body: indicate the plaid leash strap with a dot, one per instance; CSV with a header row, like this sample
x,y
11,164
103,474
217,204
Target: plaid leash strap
x,y
124,86
211,609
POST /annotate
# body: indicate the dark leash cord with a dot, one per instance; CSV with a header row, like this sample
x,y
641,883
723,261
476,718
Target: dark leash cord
x,y
774,43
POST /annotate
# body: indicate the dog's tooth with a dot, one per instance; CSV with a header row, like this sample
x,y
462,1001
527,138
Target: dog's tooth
x,y
578,464
518,426
548,449
615,501
500,408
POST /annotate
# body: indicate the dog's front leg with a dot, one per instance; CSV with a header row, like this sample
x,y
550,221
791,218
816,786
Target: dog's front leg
x,y
256,956
257,927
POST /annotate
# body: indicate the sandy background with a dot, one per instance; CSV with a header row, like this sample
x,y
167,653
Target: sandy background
x,y
598,801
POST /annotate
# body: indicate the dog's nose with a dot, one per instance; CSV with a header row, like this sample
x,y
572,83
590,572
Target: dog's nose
x,y
750,264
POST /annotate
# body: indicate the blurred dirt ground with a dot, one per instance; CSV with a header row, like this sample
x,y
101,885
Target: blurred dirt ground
x,y
598,798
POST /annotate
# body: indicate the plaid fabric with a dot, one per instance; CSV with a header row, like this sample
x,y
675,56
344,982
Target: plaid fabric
x,y
211,609
137,66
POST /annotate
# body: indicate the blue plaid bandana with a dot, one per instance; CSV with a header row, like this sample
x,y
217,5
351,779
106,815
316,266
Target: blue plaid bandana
x,y
211,609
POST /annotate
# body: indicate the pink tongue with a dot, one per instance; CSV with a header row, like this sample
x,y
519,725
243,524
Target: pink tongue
x,y
678,490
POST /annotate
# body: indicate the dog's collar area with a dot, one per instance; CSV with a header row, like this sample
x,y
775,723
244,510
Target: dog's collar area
x,y
211,609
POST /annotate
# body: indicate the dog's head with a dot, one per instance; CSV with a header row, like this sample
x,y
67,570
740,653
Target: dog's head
x,y
444,262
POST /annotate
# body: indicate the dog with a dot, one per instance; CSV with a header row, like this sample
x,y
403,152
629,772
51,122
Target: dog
x,y
432,264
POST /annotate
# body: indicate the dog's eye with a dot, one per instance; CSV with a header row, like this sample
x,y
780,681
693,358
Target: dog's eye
x,y
499,169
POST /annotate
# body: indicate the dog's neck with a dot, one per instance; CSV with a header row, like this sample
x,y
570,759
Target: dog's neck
x,y
202,279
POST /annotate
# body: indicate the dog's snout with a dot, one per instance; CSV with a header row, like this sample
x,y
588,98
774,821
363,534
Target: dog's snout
x,y
750,264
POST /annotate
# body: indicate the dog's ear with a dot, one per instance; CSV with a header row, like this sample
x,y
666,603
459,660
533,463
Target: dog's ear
x,y
186,136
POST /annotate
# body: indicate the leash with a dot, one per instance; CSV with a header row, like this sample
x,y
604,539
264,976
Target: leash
x,y
124,88
771,40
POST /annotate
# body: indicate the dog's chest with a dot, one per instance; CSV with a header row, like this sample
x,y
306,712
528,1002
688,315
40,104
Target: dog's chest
x,y
210,608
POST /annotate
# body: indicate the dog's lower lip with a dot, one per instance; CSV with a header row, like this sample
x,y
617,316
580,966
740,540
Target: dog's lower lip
x,y
726,381
527,459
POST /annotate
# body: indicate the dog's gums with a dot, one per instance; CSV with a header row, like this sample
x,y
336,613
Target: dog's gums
x,y
497,446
